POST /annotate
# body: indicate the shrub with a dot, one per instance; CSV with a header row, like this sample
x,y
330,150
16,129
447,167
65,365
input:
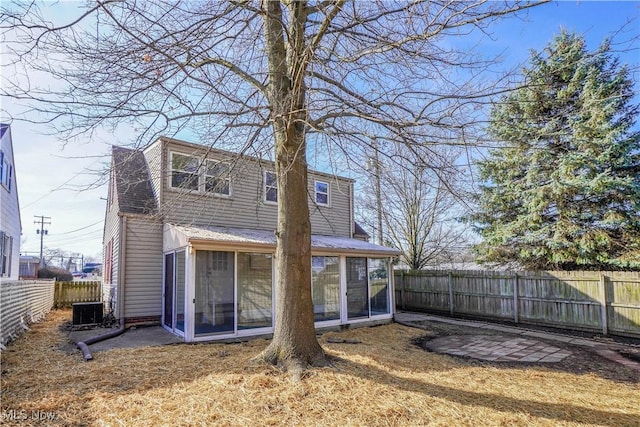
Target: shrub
x,y
60,274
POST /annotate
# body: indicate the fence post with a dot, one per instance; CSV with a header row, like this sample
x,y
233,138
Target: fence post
x,y
402,300
516,314
450,285
603,303
57,298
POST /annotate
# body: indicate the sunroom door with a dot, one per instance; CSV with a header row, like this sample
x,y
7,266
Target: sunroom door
x,y
214,293
174,291
357,288
168,291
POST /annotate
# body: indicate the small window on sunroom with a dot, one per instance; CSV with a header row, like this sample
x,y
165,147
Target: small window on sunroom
x,y
322,193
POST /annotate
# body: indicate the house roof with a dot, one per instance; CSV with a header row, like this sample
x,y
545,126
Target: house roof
x,y
359,231
267,238
133,184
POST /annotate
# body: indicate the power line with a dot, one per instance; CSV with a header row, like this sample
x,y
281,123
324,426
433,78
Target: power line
x,y
79,229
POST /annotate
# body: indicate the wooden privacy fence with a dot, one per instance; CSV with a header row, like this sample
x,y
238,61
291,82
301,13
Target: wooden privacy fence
x,y
81,291
23,302
606,302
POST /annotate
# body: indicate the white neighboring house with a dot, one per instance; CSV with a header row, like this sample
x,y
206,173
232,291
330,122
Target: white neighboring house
x,y
10,225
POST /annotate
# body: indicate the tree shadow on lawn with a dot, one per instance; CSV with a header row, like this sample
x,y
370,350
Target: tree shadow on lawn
x,y
552,411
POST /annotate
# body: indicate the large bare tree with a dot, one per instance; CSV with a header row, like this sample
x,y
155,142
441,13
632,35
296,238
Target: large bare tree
x,y
294,77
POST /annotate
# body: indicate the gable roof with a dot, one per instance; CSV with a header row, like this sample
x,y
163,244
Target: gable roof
x,y
132,181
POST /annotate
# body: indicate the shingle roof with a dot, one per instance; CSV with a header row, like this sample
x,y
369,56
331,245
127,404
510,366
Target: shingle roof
x,y
359,231
133,183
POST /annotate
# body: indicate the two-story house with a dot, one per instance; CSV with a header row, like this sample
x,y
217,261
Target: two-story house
x,y
189,242
10,224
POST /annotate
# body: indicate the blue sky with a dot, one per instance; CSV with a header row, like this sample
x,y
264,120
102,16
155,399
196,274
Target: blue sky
x,y
50,172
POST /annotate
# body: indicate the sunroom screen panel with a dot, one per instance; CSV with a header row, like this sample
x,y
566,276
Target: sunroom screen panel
x,y
325,287
214,308
379,285
255,290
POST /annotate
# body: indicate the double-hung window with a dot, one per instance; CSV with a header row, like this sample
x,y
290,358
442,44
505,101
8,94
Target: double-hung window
x,y
217,178
322,193
270,187
184,171
6,244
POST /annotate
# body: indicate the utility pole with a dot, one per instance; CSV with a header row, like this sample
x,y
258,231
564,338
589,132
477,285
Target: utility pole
x,y
374,163
43,220
378,193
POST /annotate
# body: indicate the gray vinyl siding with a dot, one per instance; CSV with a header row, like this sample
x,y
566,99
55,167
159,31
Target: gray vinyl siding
x,y
10,210
334,219
143,272
246,208
111,231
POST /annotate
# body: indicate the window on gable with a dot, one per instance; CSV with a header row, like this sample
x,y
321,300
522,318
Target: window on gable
x,y
270,187
217,178
184,171
6,171
322,193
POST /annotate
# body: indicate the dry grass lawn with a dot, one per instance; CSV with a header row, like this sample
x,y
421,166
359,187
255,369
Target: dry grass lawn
x,y
384,380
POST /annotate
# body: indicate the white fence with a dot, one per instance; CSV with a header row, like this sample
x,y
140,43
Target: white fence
x,y
22,303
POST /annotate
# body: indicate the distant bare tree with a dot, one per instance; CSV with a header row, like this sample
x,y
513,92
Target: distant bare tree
x,y
418,206
262,76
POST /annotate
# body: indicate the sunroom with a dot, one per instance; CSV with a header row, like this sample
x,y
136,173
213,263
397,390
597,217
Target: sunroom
x,y
219,283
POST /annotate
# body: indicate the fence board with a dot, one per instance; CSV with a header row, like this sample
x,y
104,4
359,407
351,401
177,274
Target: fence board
x,y
607,302
81,291
21,303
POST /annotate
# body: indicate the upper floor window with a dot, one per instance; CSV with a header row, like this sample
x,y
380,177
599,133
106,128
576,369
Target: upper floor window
x,y
322,193
270,187
184,171
217,178
6,171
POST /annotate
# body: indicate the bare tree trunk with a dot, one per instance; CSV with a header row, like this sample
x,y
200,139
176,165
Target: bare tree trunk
x,y
294,343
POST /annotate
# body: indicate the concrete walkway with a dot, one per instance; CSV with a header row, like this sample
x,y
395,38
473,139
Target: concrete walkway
x,y
526,347
132,337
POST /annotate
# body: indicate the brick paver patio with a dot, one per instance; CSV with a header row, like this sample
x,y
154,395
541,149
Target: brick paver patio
x,y
497,348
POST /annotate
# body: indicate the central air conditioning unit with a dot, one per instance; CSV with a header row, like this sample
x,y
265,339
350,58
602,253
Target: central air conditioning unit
x,y
87,313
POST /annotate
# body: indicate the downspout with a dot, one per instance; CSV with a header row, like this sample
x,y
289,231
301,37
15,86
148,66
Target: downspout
x,y
84,345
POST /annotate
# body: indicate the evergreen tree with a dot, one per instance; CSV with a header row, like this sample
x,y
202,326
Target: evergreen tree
x,y
563,192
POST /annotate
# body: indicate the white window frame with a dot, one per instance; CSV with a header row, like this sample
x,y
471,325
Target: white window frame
x,y
196,172
225,176
267,187
6,249
316,192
